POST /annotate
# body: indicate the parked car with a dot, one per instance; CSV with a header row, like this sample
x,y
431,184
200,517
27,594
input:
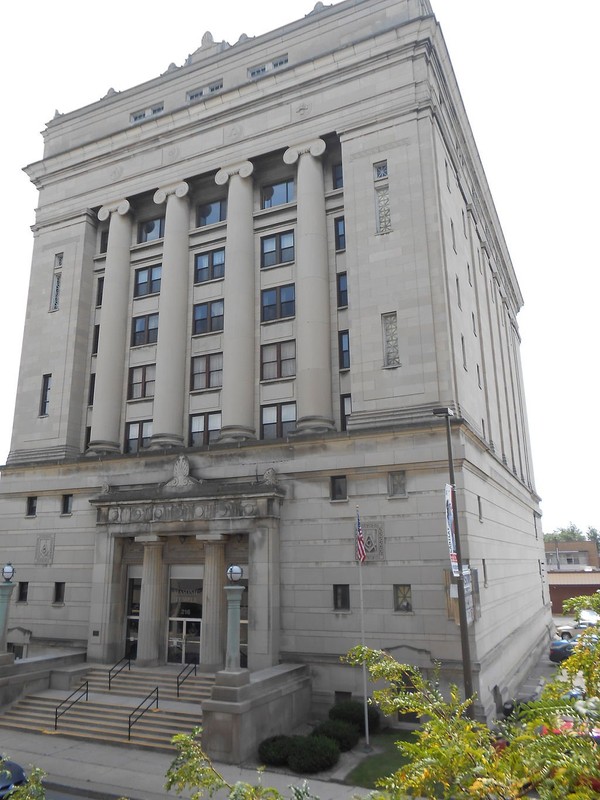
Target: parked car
x,y
11,776
586,618
561,649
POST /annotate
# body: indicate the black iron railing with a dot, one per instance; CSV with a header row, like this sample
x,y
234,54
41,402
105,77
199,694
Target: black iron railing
x,y
83,692
189,669
139,712
118,667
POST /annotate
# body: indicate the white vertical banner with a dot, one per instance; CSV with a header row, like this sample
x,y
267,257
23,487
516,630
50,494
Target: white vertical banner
x,y
450,530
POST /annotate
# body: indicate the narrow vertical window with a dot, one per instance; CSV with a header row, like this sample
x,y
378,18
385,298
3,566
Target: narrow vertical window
x,y
478,376
31,506
338,487
59,593
22,591
458,297
453,235
337,176
464,351
342,289
66,506
344,349
345,410
391,348
99,291
45,395
480,508
341,597
340,233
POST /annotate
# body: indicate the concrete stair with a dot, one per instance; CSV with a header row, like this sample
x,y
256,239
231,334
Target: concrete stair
x,y
104,717
139,682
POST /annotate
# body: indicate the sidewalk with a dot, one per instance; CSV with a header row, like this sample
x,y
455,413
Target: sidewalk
x,y
106,772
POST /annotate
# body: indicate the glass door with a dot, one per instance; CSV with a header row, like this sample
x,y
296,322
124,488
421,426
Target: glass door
x,y
134,591
185,621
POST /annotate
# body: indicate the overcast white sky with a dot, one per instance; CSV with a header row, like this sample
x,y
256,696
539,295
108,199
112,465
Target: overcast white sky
x,y
528,72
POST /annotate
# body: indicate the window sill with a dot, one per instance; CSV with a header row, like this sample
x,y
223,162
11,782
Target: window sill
x,y
279,319
144,296
266,381
341,610
391,366
338,500
207,333
206,390
209,280
66,514
140,399
279,264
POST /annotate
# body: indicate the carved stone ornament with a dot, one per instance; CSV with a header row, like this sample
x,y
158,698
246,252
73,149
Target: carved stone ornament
x,y
181,475
44,550
270,477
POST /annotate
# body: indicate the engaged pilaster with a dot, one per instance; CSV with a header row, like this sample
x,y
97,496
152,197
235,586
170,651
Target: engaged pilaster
x,y
173,311
239,331
313,357
110,360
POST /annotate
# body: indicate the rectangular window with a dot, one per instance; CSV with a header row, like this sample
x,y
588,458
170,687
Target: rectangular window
x,y
277,194
137,435
151,230
458,297
45,394
342,289
209,266
141,382
278,303
337,176
95,338
147,113
463,351
402,597
92,389
59,593
474,323
340,233
103,242
211,88
345,410
480,508
31,506
344,349
99,291
277,421
211,213
207,372
277,249
22,591
204,428
268,66
278,360
338,487
380,170
208,317
397,483
144,330
341,597
66,504
147,281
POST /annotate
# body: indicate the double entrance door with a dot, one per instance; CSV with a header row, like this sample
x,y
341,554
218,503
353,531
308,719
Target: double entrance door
x,y
185,621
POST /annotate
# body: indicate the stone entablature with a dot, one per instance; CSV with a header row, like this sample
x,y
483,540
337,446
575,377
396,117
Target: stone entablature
x,y
185,510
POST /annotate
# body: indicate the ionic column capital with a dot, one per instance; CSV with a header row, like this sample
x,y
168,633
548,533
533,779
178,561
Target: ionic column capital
x,y
121,207
244,169
316,148
179,189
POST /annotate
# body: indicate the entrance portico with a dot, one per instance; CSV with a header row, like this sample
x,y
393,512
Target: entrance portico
x,y
200,526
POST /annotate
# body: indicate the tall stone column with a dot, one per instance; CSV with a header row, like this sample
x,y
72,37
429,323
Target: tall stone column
x,y
171,347
152,632
112,342
263,595
313,325
239,351
212,653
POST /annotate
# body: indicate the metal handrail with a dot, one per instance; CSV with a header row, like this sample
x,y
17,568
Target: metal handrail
x,y
143,711
120,669
84,689
185,674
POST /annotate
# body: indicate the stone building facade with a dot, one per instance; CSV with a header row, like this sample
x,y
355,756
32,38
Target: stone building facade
x,y
253,280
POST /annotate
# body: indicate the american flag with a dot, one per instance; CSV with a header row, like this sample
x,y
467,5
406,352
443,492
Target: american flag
x,y
361,553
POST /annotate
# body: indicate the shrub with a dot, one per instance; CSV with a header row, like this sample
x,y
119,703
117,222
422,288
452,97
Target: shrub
x,y
312,753
354,712
274,750
346,734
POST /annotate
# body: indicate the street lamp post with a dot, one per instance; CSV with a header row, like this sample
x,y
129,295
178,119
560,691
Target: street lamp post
x,y
462,606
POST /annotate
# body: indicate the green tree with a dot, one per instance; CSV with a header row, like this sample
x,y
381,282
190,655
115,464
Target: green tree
x,y
569,534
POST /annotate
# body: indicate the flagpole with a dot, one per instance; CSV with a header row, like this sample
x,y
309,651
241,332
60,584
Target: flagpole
x,y
360,557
